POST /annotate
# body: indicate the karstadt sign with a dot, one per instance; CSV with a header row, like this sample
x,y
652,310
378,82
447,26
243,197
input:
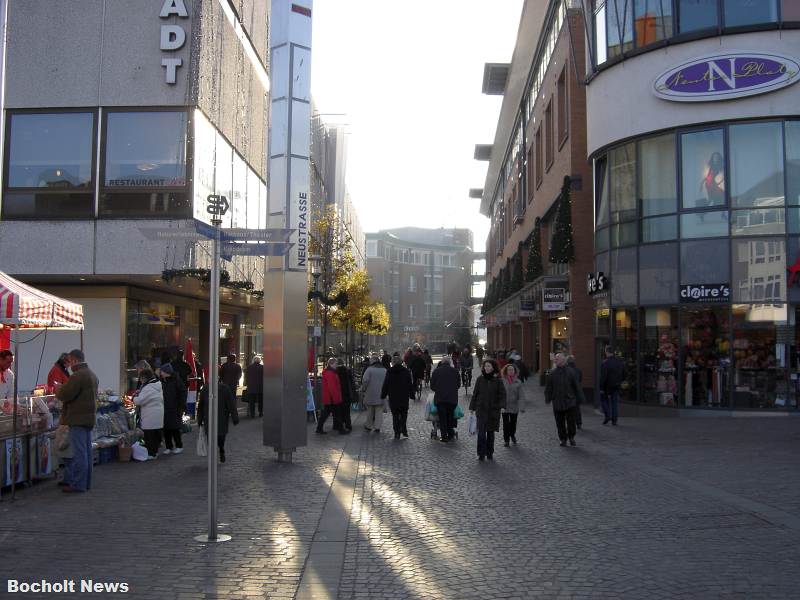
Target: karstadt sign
x,y
173,37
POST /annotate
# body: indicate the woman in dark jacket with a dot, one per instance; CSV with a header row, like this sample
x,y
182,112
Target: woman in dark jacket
x,y
226,402
348,386
174,405
399,387
488,399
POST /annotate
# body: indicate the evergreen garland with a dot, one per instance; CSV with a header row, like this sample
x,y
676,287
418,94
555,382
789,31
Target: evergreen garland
x,y
516,276
535,270
562,246
506,279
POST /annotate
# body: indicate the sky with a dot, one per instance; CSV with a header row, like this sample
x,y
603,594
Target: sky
x,y
408,75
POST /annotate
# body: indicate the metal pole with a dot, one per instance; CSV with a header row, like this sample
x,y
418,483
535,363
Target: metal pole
x,y
317,397
15,457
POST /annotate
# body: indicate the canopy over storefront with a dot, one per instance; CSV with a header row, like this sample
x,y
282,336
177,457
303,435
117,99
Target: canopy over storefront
x,y
24,307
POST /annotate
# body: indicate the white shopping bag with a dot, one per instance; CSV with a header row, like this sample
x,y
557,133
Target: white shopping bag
x,y
138,452
202,443
473,424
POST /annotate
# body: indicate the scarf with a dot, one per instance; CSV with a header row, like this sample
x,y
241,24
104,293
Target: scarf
x,y
488,376
510,379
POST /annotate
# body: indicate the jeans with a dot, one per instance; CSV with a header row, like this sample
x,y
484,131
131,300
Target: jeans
x,y
509,426
79,468
374,416
610,405
565,423
152,440
447,420
252,401
172,435
399,417
485,442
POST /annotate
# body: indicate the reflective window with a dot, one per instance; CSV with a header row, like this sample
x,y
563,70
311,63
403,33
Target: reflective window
x,y
601,243
793,219
756,164
254,200
51,205
703,169
652,21
145,149
205,137
601,192
622,182
705,331
134,203
658,274
658,229
657,177
619,26
758,269
704,224
761,221
696,15
624,276
750,12
51,151
623,235
601,39
223,180
790,11
705,262
793,162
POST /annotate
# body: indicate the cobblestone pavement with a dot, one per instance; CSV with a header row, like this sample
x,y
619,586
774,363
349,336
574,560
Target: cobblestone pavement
x,y
654,508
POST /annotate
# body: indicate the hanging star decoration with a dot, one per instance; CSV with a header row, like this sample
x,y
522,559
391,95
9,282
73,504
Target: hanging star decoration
x,y
794,270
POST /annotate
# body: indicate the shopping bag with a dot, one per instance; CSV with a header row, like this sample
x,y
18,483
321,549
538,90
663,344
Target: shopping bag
x,y
458,413
428,415
138,452
310,406
202,444
473,425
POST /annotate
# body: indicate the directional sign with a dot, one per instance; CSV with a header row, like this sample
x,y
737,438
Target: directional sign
x,y
217,205
162,233
261,235
279,249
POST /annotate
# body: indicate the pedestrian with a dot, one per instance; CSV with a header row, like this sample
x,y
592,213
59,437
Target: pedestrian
x,y
231,373
6,374
150,400
612,374
226,403
349,394
479,353
573,366
175,393
513,387
371,385
466,362
59,374
181,368
501,359
331,398
445,382
564,392
428,365
416,364
386,360
79,403
523,372
398,386
254,378
488,399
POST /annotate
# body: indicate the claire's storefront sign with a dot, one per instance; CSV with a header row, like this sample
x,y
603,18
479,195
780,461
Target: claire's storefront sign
x,y
726,76
705,292
554,299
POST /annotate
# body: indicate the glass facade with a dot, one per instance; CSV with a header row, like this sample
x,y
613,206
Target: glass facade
x,y
704,298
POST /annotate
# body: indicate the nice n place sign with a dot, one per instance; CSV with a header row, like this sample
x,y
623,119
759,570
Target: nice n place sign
x,y
173,37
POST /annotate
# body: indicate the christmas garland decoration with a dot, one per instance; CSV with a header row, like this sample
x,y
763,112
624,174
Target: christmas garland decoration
x,y
203,275
340,299
562,246
535,269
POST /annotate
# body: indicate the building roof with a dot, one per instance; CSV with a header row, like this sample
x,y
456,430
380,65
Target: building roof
x,y
495,76
450,238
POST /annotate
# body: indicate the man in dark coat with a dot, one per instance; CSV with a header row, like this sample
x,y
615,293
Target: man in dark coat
x,y
230,373
182,369
488,399
255,388
226,402
348,385
573,366
612,374
564,392
398,385
416,364
445,382
174,405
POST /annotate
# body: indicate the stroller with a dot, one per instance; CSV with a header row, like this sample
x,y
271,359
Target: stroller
x,y
432,415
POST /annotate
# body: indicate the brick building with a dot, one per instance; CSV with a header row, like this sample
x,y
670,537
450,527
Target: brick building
x,y
536,163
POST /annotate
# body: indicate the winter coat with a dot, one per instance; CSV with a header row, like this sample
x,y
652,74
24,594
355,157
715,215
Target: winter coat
x,y
226,402
416,364
466,361
513,394
331,388
347,384
488,398
612,374
79,397
398,385
445,382
563,389
231,373
150,401
255,378
58,375
372,384
174,402
183,370
386,361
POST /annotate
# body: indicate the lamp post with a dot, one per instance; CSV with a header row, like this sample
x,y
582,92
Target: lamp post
x,y
316,264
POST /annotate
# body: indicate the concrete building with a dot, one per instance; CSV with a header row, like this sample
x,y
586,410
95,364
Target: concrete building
x,y
539,144
123,115
423,277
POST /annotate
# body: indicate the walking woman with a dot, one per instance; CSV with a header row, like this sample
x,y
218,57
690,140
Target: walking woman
x,y
150,400
399,387
331,399
513,388
488,398
174,406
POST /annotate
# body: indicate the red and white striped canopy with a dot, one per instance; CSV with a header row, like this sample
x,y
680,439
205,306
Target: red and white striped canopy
x,y
24,307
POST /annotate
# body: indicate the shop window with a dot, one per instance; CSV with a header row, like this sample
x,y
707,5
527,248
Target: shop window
x,y
602,321
705,334
626,330
756,164
790,10
758,270
793,161
761,221
697,15
624,234
760,362
658,274
658,229
740,13
619,26
559,334
659,354
622,183
601,191
600,35
706,262
704,224
624,276
256,205
652,21
703,169
601,242
657,176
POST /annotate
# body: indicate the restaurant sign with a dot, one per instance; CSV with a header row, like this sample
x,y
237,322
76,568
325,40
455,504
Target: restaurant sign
x,y
726,76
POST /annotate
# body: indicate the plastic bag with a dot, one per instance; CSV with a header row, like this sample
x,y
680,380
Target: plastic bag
x,y
202,444
458,413
138,452
473,424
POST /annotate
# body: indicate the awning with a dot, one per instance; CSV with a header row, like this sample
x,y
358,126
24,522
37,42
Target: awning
x,y
24,307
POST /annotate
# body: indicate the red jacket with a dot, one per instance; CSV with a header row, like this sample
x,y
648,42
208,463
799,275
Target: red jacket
x,y
56,376
331,389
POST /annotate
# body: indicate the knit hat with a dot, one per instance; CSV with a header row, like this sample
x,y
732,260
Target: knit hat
x,y
166,369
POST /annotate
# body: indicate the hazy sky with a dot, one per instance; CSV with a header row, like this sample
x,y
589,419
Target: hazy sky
x,y
408,75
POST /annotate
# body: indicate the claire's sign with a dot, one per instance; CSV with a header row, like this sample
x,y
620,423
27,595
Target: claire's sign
x,y
726,76
553,299
706,292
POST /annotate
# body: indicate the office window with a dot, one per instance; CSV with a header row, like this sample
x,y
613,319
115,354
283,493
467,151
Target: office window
x,y
756,158
657,175
622,183
548,126
563,106
412,311
703,169
652,21
412,283
619,26
704,224
600,35
601,192
696,15
539,163
793,162
738,13
437,284
372,248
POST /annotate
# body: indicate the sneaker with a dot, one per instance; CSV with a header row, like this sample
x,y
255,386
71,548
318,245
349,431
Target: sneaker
x,y
572,442
178,451
152,457
489,457
613,422
167,451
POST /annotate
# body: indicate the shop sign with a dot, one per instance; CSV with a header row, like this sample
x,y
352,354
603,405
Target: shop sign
x,y
596,283
173,37
553,299
726,76
706,292
410,328
527,308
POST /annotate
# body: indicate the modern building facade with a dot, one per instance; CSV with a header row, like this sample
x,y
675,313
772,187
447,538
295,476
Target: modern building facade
x,y
423,277
538,169
694,133
149,107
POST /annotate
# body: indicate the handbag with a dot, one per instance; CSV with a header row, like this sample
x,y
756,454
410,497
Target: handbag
x,y
202,444
473,424
458,413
